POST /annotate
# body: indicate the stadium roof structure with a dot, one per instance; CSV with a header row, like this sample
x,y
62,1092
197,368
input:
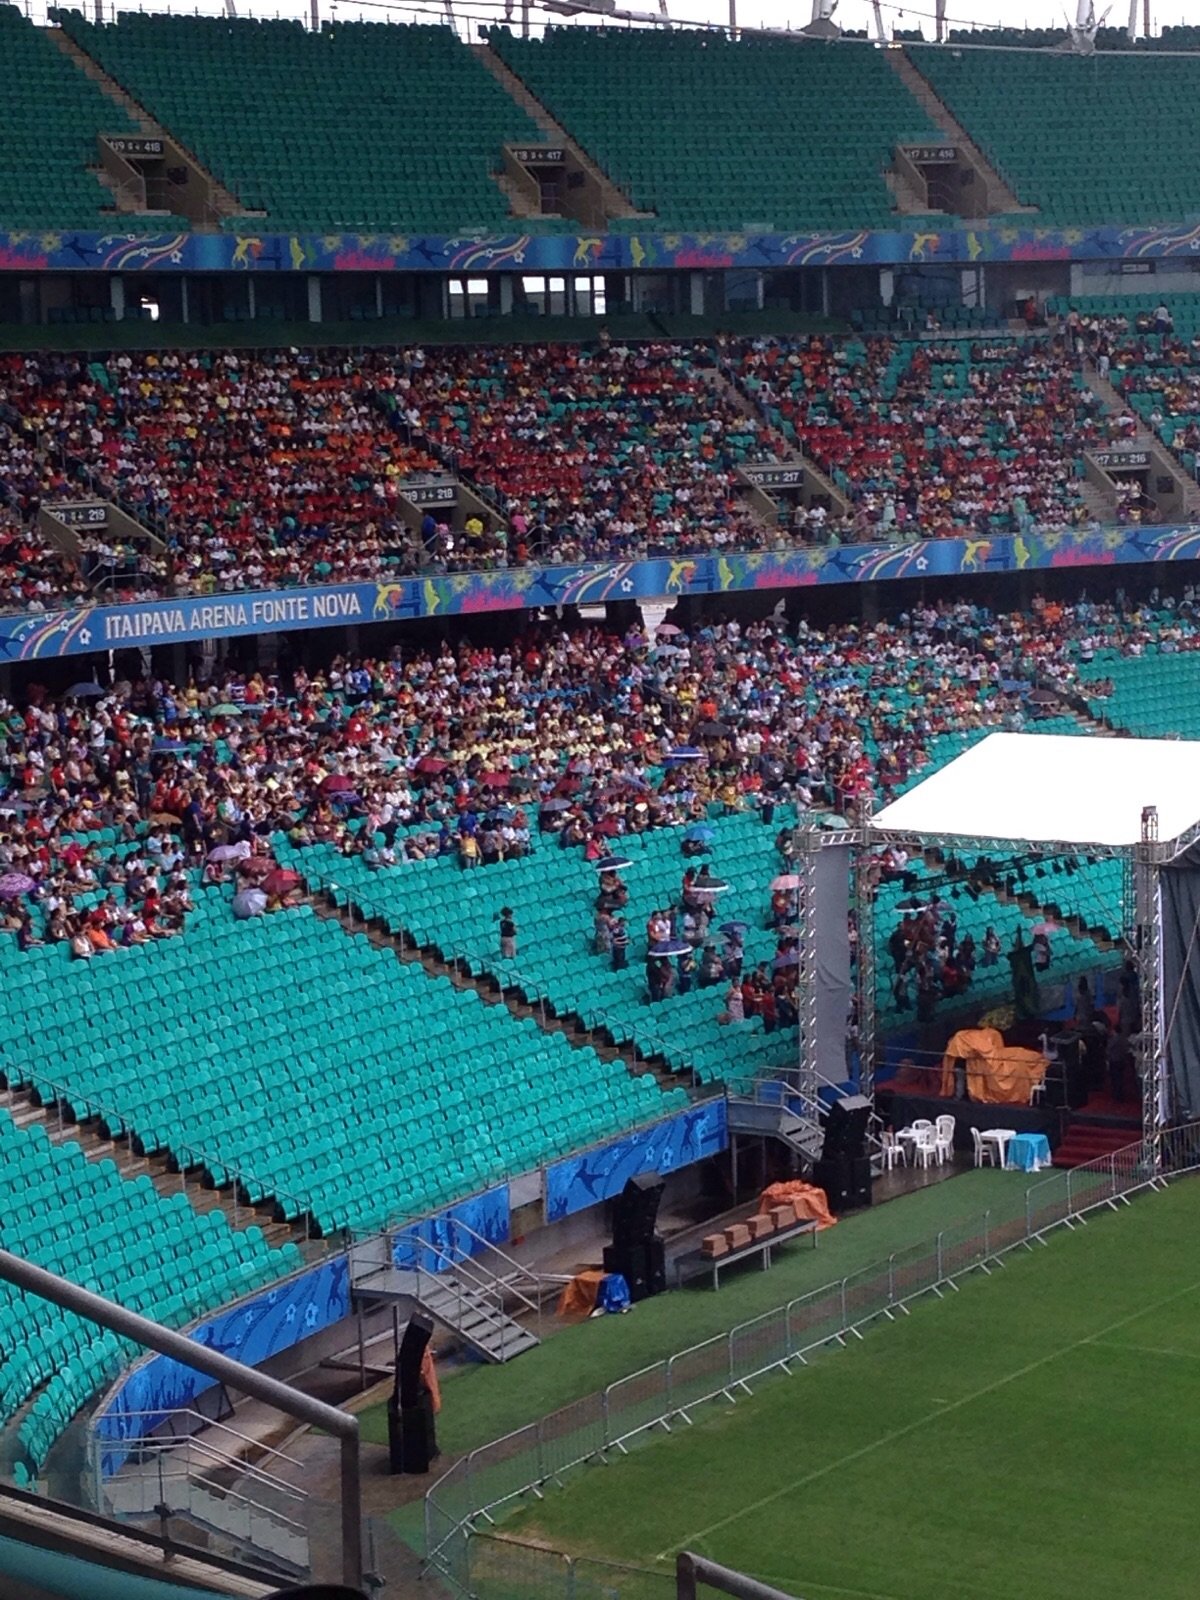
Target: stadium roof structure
x,y
1054,790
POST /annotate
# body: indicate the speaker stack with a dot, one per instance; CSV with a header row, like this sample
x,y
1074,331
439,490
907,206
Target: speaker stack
x,y
412,1436
844,1170
636,1251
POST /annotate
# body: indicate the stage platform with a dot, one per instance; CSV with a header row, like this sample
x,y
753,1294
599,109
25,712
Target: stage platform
x,y
900,1108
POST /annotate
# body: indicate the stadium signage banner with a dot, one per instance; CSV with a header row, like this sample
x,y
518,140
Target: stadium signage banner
x,y
929,155
538,155
1120,460
142,146
83,630
430,491
775,477
81,513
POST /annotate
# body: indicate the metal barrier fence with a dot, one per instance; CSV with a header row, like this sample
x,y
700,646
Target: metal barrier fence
x,y
598,1425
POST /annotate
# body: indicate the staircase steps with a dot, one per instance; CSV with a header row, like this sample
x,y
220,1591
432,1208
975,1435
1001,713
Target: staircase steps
x,y
468,1302
1091,1139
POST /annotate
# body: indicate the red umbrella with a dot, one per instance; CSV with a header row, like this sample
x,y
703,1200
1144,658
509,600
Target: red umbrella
x,y
430,766
256,866
495,780
281,881
336,783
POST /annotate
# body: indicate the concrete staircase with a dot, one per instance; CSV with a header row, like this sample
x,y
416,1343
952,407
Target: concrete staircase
x,y
1001,198
907,201
616,204
785,451
1163,461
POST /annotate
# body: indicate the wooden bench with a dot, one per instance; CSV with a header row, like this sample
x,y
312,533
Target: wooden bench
x,y
695,1263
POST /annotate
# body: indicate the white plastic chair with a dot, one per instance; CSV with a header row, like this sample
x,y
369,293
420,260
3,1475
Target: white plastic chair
x,y
925,1152
893,1150
944,1139
987,1153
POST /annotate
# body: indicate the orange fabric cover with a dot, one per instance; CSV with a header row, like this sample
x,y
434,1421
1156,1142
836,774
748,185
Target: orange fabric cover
x,y
578,1299
809,1201
429,1374
997,1073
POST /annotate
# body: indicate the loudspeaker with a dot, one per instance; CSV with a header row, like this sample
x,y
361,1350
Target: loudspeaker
x,y
846,1182
643,1266
635,1210
408,1361
846,1127
412,1435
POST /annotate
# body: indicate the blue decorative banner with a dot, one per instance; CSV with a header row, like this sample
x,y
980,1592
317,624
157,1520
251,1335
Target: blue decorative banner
x,y
436,1243
86,629
584,1180
251,1332
643,252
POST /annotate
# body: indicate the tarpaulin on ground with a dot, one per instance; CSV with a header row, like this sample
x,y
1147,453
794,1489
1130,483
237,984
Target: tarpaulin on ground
x,y
997,1073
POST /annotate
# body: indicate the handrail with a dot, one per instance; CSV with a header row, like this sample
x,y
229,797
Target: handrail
x,y
222,1427
164,1444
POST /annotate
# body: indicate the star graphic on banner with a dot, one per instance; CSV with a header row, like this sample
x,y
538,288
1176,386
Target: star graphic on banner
x,y
86,636
922,563
627,586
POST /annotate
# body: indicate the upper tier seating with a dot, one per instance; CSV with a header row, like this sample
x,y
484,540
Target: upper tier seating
x,y
50,116
1155,696
117,1236
1089,140
362,127
713,135
320,1070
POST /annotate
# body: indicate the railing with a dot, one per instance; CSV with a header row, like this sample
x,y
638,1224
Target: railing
x,y
480,1485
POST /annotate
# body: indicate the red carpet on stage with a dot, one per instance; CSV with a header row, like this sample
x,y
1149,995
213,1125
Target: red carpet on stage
x,y
1099,1128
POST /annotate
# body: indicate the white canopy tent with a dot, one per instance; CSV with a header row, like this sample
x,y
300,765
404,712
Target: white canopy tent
x,y
1046,789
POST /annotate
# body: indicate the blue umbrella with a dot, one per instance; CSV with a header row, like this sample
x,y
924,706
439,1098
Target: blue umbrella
x,y
684,752
671,947
86,691
162,746
701,833
735,930
612,863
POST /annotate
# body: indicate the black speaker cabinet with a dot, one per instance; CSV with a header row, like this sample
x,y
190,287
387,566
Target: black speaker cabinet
x,y
642,1265
635,1210
846,1182
412,1435
846,1127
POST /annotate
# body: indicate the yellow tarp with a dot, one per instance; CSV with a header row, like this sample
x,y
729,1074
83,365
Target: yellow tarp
x,y
997,1073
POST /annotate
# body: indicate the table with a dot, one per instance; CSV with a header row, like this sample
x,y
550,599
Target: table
x,y
1028,1152
695,1263
1001,1138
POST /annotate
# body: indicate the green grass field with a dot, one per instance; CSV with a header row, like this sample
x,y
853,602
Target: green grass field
x,y
1032,1437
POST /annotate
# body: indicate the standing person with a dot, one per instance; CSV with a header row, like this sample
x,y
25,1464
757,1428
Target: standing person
x,y
508,934
620,944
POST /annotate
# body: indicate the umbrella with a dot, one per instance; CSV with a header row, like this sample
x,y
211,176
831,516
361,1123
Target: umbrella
x,y
164,819
712,886
684,752
712,730
790,959
87,691
231,852
226,709
521,784
670,947
701,833
735,930
786,880
335,783
1047,927
668,628
163,746
556,805
1043,697
14,883
257,866
249,903
430,766
668,650
16,805
281,881
612,863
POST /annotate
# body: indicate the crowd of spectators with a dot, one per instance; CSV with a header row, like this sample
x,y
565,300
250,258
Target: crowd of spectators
x,y
932,439
576,733
275,468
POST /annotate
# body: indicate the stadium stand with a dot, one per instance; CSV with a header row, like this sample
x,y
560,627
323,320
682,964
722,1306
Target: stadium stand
x,y
333,1086
930,438
710,134
1087,148
49,123
119,1236
273,110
